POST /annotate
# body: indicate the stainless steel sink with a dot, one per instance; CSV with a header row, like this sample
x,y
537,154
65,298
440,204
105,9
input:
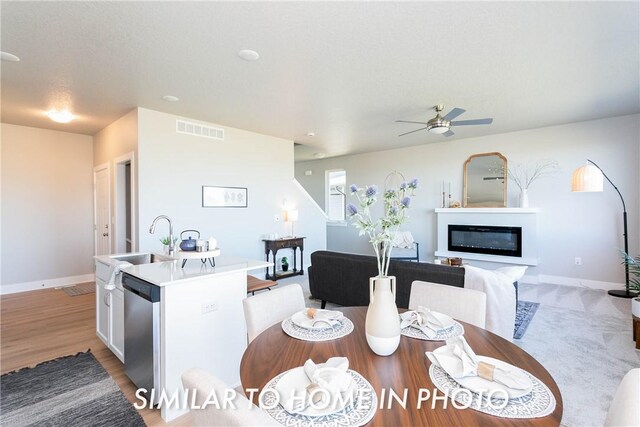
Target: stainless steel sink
x,y
142,258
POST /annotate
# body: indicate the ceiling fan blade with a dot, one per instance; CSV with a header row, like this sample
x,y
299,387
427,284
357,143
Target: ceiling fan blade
x,y
449,133
405,121
454,113
412,131
472,122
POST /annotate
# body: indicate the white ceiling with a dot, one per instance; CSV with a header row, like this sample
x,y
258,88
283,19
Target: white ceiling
x,y
344,70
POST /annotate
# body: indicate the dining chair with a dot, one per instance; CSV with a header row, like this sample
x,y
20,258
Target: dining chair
x,y
242,413
625,406
463,304
266,309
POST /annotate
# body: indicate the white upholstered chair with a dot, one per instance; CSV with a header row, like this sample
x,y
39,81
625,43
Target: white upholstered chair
x,y
266,309
625,406
463,304
243,412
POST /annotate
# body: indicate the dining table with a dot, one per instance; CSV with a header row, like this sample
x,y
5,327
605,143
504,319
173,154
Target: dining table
x,y
274,352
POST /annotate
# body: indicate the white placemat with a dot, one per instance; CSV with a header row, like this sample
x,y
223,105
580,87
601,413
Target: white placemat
x,y
295,331
444,334
360,412
539,403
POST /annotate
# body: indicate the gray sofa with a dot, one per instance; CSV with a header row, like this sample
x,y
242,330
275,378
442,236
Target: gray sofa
x,y
343,278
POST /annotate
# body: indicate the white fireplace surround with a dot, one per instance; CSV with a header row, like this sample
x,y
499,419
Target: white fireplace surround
x,y
504,217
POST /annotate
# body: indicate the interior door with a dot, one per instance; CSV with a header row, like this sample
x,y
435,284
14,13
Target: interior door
x,y
102,199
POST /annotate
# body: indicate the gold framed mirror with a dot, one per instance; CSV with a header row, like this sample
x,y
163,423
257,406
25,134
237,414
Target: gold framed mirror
x,y
485,181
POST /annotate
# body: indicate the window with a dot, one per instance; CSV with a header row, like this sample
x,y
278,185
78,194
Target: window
x,y
335,201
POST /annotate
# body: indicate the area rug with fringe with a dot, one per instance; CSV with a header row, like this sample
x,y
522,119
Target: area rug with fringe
x,y
524,314
68,391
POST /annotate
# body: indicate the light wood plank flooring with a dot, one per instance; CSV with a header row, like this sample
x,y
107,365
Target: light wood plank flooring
x,y
45,324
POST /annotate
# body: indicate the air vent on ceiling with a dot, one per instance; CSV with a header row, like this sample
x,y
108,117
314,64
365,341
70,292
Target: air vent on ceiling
x,y
196,129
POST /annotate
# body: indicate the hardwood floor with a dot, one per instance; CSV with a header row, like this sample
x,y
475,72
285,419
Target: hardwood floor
x,y
43,325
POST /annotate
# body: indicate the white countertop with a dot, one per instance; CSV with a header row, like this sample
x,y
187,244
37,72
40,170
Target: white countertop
x,y
168,273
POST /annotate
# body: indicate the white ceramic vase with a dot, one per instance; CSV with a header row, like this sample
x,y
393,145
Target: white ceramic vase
x,y
524,198
382,324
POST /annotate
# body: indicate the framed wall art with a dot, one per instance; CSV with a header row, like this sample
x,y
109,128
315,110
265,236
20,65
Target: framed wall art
x,y
224,197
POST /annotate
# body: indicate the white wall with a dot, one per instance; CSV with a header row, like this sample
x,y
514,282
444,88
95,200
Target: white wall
x,y
588,225
116,140
47,208
173,168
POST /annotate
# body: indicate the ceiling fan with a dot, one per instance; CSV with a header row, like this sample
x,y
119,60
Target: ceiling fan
x,y
441,125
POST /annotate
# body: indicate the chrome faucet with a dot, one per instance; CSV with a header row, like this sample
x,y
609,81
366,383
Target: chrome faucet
x,y
172,246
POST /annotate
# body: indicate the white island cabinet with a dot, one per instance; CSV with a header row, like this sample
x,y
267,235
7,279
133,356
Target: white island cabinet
x,y
109,310
201,319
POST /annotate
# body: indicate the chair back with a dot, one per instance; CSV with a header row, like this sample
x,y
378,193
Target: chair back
x,y
625,406
266,309
463,304
240,414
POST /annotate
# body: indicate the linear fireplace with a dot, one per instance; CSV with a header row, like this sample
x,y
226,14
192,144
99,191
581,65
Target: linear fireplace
x,y
485,239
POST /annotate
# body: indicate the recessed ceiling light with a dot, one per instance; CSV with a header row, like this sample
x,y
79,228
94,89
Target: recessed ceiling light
x,y
319,155
6,56
249,55
311,134
60,116
170,98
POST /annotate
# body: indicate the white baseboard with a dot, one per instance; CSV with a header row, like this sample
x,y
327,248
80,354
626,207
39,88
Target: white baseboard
x,y
43,284
571,281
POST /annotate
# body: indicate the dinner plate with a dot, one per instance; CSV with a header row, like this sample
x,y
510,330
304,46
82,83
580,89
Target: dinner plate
x,y
478,385
297,379
300,319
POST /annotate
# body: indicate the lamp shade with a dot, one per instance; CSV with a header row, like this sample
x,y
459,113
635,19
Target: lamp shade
x,y
587,178
292,215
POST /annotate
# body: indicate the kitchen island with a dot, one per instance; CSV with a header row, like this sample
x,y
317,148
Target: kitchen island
x,y
200,320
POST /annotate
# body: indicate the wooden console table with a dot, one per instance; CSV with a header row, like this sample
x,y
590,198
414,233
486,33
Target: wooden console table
x,y
274,246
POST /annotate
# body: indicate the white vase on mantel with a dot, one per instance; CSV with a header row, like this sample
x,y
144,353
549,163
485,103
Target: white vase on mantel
x,y
382,325
524,198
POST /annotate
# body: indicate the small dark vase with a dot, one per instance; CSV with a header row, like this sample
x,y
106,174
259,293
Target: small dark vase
x,y
285,267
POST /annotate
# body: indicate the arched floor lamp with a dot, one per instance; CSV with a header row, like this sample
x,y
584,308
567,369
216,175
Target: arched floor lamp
x,y
589,178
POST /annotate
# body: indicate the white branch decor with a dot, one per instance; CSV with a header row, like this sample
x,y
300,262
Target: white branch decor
x,y
523,175
383,231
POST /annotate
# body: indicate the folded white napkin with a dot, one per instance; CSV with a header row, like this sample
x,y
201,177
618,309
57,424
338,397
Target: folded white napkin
x,y
429,322
459,361
331,376
320,318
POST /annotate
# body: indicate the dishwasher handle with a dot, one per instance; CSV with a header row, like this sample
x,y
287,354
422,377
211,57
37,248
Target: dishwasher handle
x,y
145,290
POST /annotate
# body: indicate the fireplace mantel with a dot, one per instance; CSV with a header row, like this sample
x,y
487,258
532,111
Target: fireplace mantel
x,y
515,217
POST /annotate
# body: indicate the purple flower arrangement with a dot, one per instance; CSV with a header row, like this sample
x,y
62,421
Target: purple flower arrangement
x,y
382,231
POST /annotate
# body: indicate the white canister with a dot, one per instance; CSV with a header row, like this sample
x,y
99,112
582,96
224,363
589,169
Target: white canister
x,y
213,243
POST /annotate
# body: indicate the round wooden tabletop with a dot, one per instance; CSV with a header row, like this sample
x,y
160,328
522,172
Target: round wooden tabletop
x,y
274,352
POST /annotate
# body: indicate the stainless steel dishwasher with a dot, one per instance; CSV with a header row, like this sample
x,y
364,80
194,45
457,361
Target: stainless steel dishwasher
x,y
142,333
